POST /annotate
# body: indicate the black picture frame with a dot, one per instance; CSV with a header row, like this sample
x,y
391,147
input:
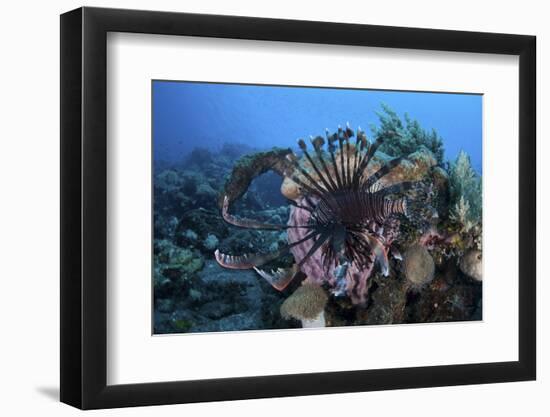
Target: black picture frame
x,y
84,207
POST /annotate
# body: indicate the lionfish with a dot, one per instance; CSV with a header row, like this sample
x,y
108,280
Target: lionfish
x,y
343,223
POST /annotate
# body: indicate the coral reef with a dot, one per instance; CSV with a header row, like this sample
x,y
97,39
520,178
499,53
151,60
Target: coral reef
x,y
218,299
174,266
282,216
192,293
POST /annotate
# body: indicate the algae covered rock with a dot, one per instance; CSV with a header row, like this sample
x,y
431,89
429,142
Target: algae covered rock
x,y
203,222
174,267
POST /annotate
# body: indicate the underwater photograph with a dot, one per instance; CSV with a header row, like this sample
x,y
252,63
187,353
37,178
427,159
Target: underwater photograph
x,y
283,207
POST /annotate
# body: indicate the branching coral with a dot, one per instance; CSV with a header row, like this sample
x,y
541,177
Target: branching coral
x,y
465,189
402,139
461,214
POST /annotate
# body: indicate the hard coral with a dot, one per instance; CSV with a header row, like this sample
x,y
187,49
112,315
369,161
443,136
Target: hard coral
x,y
307,304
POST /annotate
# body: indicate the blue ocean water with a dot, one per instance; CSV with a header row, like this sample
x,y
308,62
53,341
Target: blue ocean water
x,y
190,114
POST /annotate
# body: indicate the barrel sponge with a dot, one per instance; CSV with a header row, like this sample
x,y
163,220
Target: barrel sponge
x,y
306,303
419,266
471,264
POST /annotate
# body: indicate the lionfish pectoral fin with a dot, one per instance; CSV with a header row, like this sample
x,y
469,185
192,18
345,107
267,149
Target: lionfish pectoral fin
x,y
280,278
316,245
246,223
247,261
380,254
233,262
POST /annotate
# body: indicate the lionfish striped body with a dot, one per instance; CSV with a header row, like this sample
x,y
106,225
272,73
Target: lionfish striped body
x,y
343,223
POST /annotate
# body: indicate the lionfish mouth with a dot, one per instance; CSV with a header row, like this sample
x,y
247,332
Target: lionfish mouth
x,y
347,209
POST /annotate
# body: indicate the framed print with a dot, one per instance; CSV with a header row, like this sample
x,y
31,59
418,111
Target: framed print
x,y
257,208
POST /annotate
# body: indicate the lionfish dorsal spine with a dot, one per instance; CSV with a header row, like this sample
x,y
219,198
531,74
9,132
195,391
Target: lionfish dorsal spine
x,y
252,223
325,182
366,158
384,170
318,143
